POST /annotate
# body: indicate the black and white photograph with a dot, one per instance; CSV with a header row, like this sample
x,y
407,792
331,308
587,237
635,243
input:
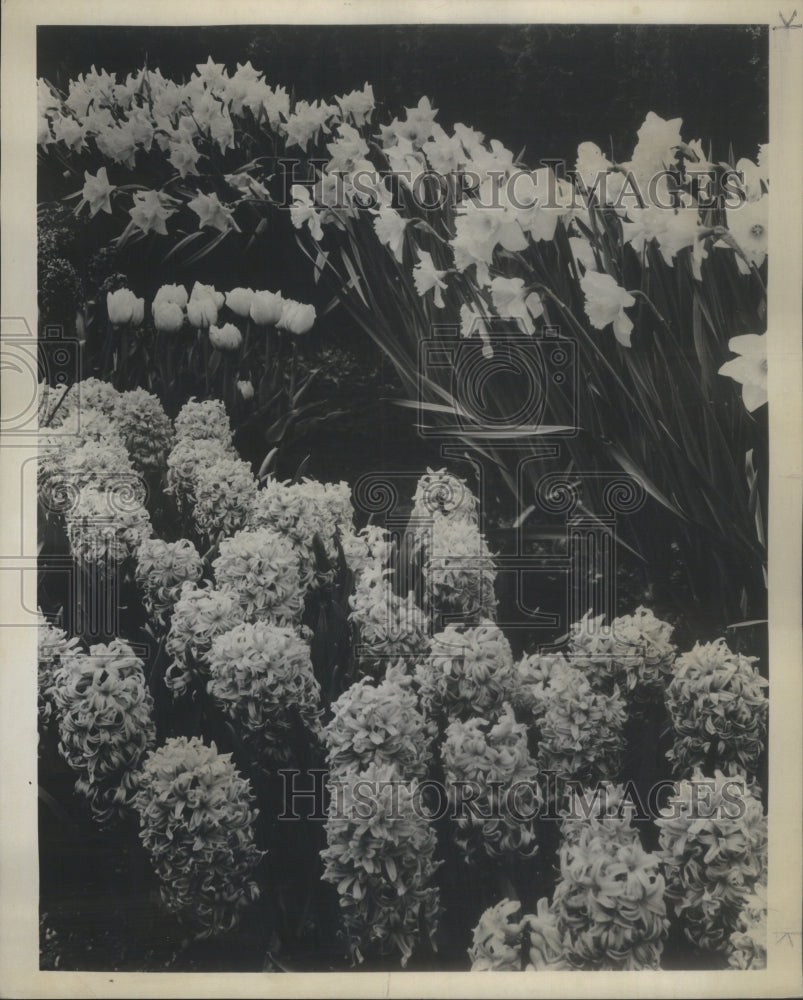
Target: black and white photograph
x,y
409,530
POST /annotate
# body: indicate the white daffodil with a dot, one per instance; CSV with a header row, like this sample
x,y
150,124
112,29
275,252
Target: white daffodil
x,y
605,303
750,368
427,277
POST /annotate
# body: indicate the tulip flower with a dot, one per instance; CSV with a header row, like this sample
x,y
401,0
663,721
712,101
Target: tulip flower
x,y
125,308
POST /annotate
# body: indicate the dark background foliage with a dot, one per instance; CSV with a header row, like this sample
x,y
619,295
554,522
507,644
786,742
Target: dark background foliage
x,y
546,87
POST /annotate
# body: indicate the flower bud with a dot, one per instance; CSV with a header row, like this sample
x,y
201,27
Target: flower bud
x,y
226,337
168,317
296,317
246,389
266,308
239,301
124,307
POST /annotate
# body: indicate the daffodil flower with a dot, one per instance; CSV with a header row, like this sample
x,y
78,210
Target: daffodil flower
x,y
97,192
211,212
750,368
427,277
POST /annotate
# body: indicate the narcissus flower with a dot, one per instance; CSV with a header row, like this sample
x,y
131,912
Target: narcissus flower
x,y
303,211
427,277
512,301
389,226
197,825
357,105
750,368
605,303
149,213
211,212
748,224
97,192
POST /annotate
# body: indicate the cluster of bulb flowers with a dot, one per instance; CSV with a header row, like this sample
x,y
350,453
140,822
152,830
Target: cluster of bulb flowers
x,y
634,652
609,900
197,825
456,699
719,710
54,646
502,944
713,839
173,308
97,448
261,675
380,842
148,118
492,763
105,723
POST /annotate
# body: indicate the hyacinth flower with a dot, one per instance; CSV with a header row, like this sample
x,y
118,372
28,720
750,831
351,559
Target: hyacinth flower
x,y
162,569
634,652
107,525
458,571
260,569
54,647
225,493
439,493
205,419
197,825
378,722
469,672
199,614
501,944
530,688
381,861
145,429
748,943
605,812
492,761
105,725
580,730
389,629
609,904
713,839
186,460
719,711
302,510
261,676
